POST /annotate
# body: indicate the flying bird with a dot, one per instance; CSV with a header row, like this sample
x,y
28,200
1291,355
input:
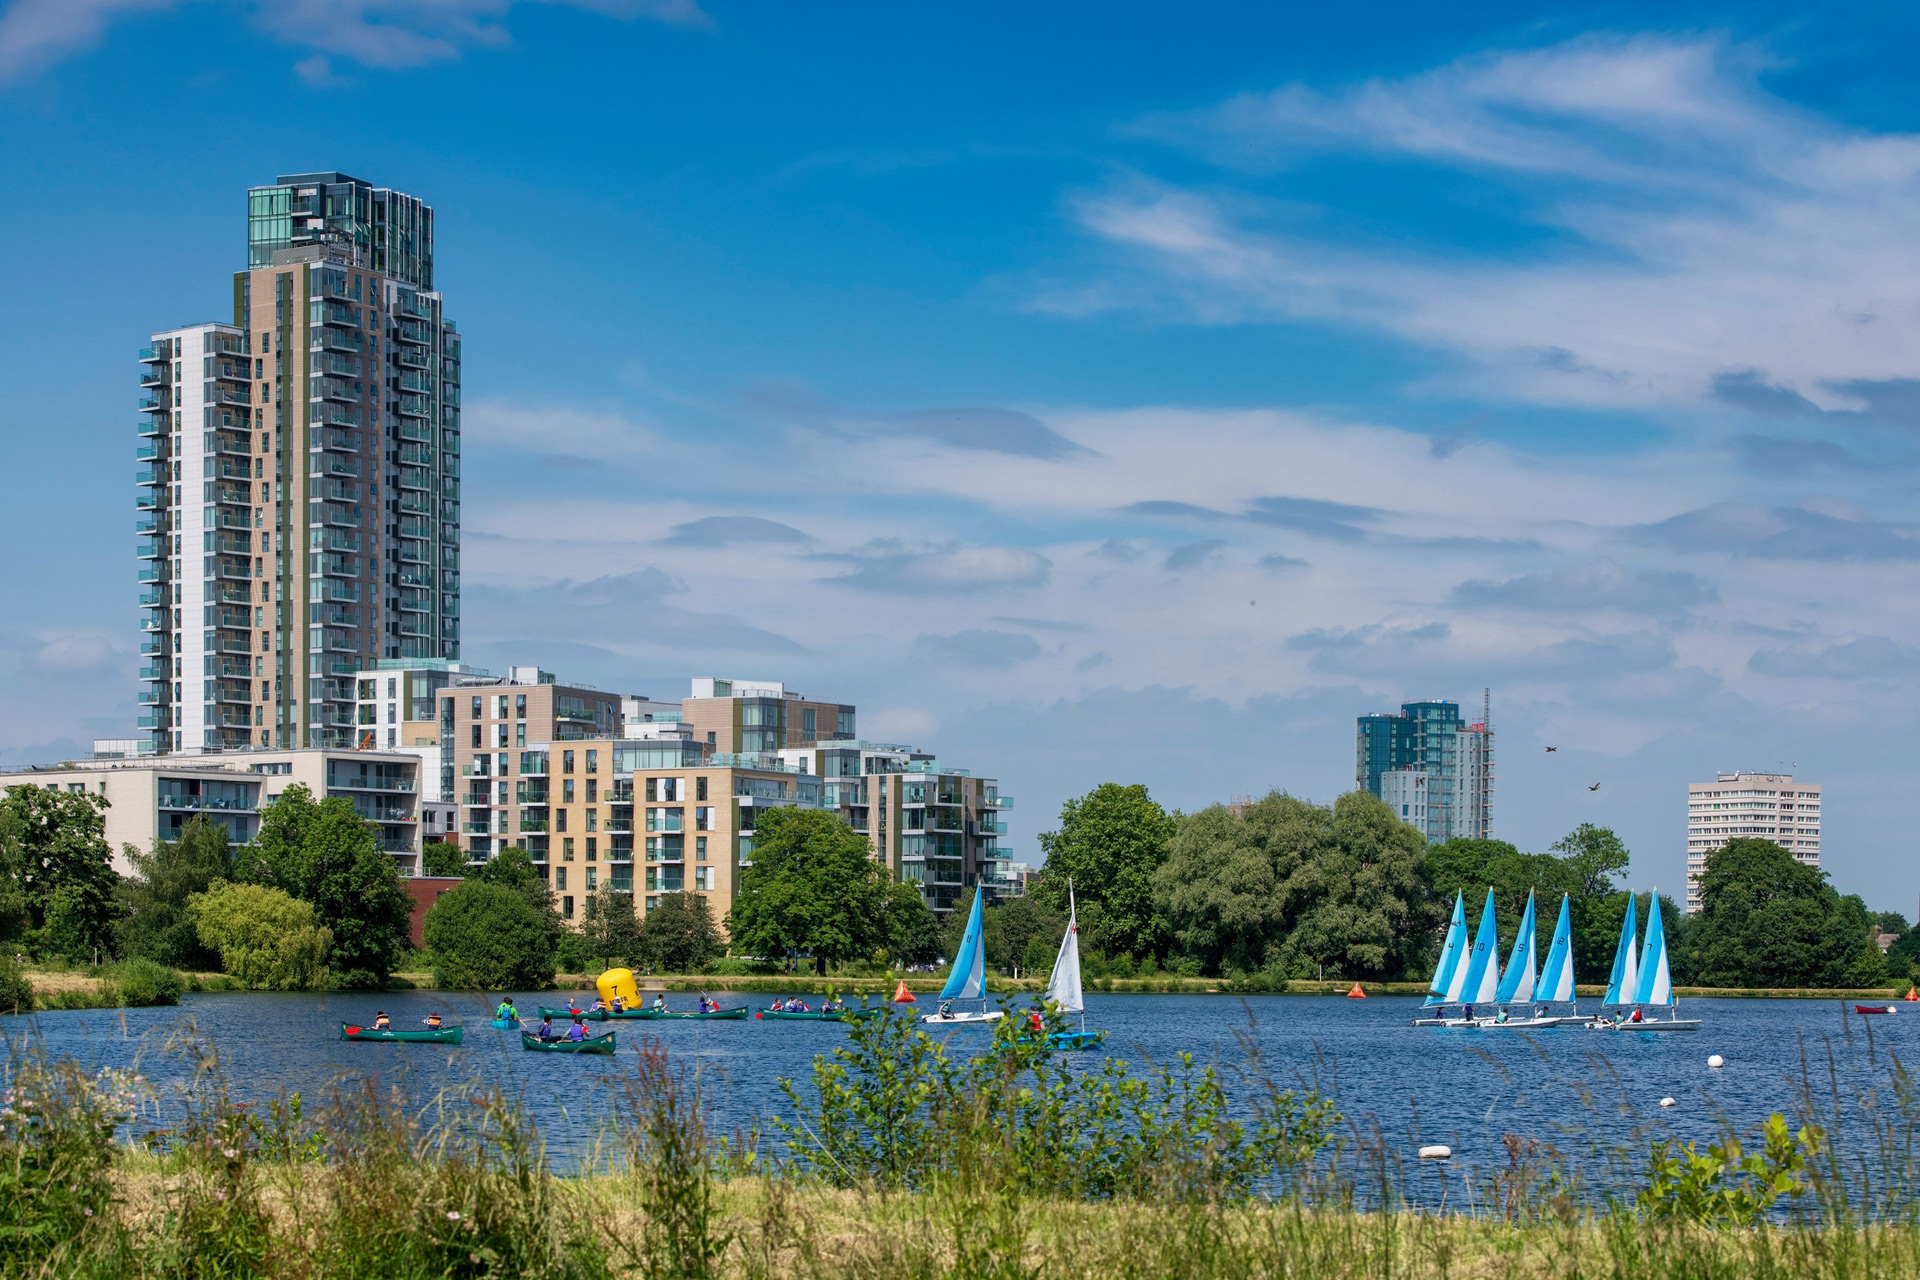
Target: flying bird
x,y
1594,787
1553,748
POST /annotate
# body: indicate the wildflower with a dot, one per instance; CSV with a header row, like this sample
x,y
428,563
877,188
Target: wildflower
x,y
229,1153
453,1215
220,1193
88,1212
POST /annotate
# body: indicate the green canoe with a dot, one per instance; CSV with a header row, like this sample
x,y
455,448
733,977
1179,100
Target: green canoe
x,y
598,1015
598,1044
838,1015
445,1035
726,1014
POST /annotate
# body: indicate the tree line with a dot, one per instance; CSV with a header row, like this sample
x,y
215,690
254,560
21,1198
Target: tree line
x,y
1285,889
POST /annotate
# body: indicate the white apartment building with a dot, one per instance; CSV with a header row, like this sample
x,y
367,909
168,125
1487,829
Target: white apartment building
x,y
153,797
1767,806
1405,792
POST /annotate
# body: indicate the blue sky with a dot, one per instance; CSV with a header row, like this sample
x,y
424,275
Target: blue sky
x,y
1102,392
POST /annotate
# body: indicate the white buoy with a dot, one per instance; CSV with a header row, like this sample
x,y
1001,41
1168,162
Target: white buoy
x,y
1666,1102
1436,1152
1716,1062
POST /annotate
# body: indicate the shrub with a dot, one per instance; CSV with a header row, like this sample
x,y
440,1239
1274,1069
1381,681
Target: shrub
x,y
265,937
16,993
489,937
143,982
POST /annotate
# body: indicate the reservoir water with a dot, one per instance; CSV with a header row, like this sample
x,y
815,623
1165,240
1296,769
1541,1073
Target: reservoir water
x,y
1581,1091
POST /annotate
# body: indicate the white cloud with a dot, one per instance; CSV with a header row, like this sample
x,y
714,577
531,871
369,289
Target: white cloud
x,y
1696,225
386,34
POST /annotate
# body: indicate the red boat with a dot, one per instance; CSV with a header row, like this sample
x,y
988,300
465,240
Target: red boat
x,y
1873,1008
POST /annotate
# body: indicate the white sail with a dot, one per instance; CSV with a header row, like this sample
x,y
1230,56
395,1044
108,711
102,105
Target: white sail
x,y
1063,988
1656,982
1556,976
1483,967
1517,986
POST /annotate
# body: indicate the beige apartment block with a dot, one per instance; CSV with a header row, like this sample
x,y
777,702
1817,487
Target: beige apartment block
x,y
151,797
300,476
752,717
1765,806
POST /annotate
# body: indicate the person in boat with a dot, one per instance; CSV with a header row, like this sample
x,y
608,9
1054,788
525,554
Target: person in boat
x,y
1501,1018
1469,1014
946,1009
660,1001
546,1031
381,1022
433,1022
619,1004
1035,1023
506,1012
836,1005
578,1031
1635,1017
599,1004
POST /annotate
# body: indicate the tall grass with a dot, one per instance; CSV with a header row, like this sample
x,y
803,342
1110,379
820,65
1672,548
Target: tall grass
x,y
899,1161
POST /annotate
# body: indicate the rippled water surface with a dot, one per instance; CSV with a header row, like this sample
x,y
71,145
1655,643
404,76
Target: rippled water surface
x,y
1575,1088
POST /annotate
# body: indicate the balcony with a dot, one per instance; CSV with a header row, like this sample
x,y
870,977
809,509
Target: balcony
x,y
415,358
336,440
330,339
416,503
151,452
231,519
415,406
335,540
326,413
149,550
232,642
414,332
156,719
151,427
532,824
338,592
151,697
231,569
339,566
156,671
148,476
234,670
337,313
476,828
229,469
325,466
413,625
154,404
227,593
334,389
415,552
321,615
326,364
339,517
226,443
147,500
415,478
988,827
411,430
154,621
236,394
233,495
151,573
416,455
153,645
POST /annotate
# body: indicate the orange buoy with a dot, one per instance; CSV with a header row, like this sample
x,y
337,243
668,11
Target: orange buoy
x,y
903,996
1912,994
1358,993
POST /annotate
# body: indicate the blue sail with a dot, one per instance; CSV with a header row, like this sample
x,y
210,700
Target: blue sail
x,y
1483,970
1656,983
968,981
1626,970
1517,986
1556,976
1443,975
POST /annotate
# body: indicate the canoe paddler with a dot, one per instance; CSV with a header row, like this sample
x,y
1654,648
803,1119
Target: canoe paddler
x,y
599,1004
381,1022
578,1031
433,1022
619,1004
660,1000
506,1012
546,1031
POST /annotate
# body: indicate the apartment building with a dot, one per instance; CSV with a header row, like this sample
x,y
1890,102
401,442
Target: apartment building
x,y
748,717
1437,767
490,729
299,482
153,797
1766,806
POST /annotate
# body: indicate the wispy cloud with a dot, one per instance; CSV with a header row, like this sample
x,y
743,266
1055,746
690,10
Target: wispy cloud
x,y
384,34
1596,587
1665,221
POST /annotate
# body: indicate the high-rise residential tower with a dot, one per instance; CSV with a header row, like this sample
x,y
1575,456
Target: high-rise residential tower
x,y
1764,806
300,479
1435,769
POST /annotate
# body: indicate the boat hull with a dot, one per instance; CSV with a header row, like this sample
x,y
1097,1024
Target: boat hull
x,y
500,1024
962,1019
839,1015
1873,1008
720,1015
598,1044
445,1035
1533,1024
1651,1024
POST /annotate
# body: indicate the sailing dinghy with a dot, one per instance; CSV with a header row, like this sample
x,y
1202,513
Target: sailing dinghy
x,y
1063,988
1481,983
1648,983
1449,975
1554,984
968,981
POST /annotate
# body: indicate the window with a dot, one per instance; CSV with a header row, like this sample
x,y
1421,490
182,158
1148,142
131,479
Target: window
x,y
593,819
700,848
566,903
807,723
593,852
566,849
711,741
519,706
500,706
503,733
560,879
367,688
520,734
393,685
593,878
593,786
700,788
703,878
559,819
593,760
566,790
566,762
703,818
476,706
476,736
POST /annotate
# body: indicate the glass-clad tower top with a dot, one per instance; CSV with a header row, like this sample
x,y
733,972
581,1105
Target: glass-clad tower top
x,y
385,230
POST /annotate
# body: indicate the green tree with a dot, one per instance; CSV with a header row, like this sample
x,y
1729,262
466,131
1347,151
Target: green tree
x,y
610,930
442,858
1767,920
680,935
55,840
325,854
489,937
265,937
912,930
1219,889
513,869
155,924
1015,925
1354,894
814,887
1110,843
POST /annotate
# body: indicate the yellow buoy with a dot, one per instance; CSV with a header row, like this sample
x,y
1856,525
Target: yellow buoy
x,y
618,982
